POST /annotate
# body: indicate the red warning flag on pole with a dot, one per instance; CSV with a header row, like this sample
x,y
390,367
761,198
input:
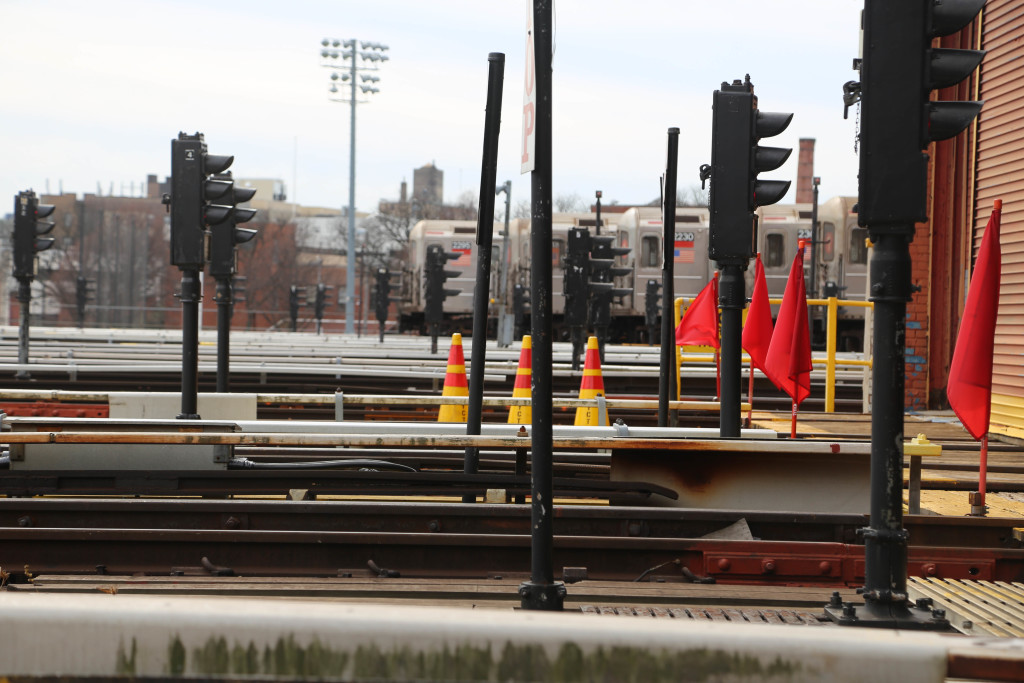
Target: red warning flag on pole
x,y
788,361
969,388
757,331
699,326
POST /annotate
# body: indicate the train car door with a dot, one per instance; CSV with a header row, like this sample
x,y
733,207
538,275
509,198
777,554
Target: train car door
x,y
557,267
648,265
856,275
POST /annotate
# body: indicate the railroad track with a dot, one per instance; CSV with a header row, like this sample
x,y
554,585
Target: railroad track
x,y
290,363
412,540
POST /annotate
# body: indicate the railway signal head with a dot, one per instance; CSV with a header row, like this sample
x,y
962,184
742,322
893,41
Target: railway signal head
x,y
30,230
83,295
382,294
520,305
196,200
899,119
576,278
320,301
227,235
296,300
436,293
736,160
603,272
652,303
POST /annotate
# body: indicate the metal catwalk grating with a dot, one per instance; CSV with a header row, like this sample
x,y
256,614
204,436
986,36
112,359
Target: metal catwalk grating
x,y
993,608
741,616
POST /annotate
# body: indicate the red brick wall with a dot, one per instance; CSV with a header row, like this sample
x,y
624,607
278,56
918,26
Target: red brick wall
x,y
917,322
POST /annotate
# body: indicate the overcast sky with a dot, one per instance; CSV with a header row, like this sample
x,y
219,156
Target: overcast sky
x,y
94,91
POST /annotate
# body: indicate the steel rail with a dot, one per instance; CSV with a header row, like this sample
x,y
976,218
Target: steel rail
x,y
483,518
752,446
454,555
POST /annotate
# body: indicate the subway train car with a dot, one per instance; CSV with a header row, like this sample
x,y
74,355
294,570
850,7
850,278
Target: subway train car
x,y
458,237
840,263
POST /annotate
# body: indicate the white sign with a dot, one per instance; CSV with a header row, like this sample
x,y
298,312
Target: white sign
x,y
529,100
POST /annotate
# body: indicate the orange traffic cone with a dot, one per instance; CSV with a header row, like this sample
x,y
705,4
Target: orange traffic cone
x,y
455,383
523,415
592,385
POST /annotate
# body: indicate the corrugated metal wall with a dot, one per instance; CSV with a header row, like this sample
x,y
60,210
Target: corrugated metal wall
x,y
1000,175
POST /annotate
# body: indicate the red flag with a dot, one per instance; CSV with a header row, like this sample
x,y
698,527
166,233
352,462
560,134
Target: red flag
x,y
757,331
788,362
969,388
699,326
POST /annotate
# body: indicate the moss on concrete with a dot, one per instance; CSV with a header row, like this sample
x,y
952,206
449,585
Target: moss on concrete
x,y
516,662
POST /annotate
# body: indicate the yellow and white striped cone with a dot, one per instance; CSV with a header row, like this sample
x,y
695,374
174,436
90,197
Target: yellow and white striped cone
x,y
455,383
591,386
523,415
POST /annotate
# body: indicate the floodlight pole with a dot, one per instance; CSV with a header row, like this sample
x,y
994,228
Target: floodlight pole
x,y
329,50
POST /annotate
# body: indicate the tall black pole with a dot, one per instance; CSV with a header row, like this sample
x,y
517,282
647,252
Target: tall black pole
x,y
191,292
24,303
541,592
885,543
815,240
732,297
224,310
668,379
484,239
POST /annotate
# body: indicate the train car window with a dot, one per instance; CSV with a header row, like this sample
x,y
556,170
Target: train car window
x,y
650,251
557,252
828,236
774,244
858,246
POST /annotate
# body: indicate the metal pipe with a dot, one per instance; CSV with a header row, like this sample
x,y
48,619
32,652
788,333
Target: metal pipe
x,y
223,300
815,241
732,298
541,592
484,239
504,335
191,292
669,377
350,273
832,317
885,542
24,304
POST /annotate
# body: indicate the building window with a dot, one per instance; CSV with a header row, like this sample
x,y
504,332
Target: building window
x,y
774,248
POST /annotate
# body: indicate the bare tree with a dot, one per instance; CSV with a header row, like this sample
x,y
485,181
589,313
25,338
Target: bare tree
x,y
270,263
569,203
693,195
468,199
522,209
392,225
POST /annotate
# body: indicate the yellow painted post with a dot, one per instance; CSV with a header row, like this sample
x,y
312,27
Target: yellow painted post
x,y
830,343
679,351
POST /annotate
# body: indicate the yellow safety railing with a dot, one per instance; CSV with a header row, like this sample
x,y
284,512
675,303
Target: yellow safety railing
x,y
831,337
